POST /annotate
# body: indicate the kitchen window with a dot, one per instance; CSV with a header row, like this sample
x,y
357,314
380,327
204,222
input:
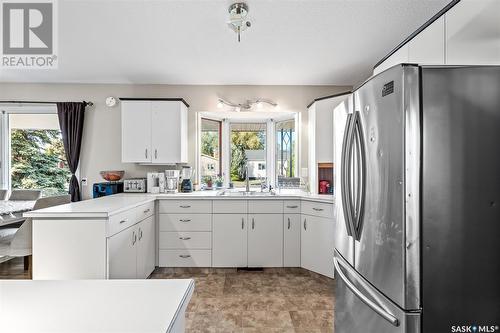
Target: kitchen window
x,y
210,149
286,154
268,146
32,150
248,154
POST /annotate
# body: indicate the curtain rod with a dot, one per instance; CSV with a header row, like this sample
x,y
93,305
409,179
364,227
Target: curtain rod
x,y
41,102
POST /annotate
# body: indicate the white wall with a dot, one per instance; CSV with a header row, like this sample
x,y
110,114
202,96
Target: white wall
x,y
101,149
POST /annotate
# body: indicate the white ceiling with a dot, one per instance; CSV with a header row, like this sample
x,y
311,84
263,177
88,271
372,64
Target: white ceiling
x,y
187,42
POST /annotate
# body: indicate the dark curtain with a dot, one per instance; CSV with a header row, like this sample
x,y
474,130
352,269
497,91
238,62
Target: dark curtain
x,y
71,122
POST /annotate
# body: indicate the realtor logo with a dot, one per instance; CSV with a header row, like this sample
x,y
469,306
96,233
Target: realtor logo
x,y
28,34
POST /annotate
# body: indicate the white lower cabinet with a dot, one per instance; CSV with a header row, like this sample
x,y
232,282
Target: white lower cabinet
x,y
317,244
122,254
146,249
229,245
265,240
131,252
291,240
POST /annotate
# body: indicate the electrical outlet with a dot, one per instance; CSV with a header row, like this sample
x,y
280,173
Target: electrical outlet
x,y
84,181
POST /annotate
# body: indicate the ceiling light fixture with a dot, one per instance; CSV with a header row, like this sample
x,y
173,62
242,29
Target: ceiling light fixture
x,y
247,106
237,18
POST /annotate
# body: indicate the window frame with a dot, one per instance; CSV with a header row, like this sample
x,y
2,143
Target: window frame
x,y
225,143
198,150
5,148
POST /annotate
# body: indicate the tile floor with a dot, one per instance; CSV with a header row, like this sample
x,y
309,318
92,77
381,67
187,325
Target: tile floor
x,y
273,300
285,300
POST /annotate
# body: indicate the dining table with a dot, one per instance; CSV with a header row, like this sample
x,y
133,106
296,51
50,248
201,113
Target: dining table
x,y
11,211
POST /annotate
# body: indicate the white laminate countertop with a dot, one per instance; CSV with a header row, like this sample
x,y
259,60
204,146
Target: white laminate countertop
x,y
93,305
104,207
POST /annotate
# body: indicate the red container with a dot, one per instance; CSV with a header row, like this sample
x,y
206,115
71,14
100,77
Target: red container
x,y
324,186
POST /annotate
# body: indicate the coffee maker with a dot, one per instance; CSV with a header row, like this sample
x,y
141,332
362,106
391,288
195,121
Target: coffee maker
x,y
186,175
171,181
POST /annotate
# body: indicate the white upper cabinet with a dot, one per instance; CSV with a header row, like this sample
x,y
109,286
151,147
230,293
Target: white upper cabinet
x,y
136,131
320,117
427,48
473,33
154,132
169,132
468,33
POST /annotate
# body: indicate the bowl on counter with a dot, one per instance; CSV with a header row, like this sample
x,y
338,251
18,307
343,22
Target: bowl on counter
x,y
112,175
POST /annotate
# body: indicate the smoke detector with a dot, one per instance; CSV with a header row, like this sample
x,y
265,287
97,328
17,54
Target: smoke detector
x,y
238,18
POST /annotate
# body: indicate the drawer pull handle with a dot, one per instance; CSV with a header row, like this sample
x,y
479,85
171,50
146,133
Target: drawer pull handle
x,y
184,256
134,237
187,220
242,223
318,209
123,221
140,233
187,206
294,206
253,223
288,223
147,211
305,224
184,238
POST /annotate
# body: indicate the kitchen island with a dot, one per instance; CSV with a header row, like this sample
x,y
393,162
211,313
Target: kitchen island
x,y
95,305
127,235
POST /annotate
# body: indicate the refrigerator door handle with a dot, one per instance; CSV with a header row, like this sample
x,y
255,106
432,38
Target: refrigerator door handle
x,y
345,160
374,306
361,174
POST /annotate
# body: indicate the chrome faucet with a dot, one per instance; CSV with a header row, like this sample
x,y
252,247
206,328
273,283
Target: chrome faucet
x,y
247,179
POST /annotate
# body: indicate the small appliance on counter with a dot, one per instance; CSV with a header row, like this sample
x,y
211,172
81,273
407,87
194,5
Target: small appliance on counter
x,y
171,181
106,188
324,187
156,182
186,184
135,185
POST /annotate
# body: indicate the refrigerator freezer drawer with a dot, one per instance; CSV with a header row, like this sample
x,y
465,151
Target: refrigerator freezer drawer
x,y
360,308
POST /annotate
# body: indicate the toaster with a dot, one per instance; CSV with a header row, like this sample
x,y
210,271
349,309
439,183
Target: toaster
x,y
134,185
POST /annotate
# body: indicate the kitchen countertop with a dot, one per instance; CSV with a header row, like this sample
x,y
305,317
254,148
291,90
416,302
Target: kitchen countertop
x,y
94,305
104,207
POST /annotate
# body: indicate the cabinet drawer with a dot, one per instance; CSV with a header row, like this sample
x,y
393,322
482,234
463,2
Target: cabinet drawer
x,y
317,209
121,221
145,211
185,206
291,207
185,240
185,222
265,206
185,258
230,206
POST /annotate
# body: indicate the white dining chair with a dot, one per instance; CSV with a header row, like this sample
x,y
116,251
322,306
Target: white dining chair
x,y
18,243
26,195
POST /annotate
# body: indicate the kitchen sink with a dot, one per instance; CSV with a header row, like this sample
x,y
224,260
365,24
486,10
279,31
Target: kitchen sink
x,y
245,194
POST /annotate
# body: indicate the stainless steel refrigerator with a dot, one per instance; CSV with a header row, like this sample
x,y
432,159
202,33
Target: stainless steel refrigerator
x,y
417,229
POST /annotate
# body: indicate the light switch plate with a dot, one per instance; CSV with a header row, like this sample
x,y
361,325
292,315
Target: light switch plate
x,y
84,181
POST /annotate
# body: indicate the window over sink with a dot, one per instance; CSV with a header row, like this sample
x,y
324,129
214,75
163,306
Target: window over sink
x,y
265,144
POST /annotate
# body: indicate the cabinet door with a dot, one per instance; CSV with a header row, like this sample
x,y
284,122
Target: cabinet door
x,y
317,244
122,254
145,248
473,33
136,131
229,246
291,239
169,132
265,240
